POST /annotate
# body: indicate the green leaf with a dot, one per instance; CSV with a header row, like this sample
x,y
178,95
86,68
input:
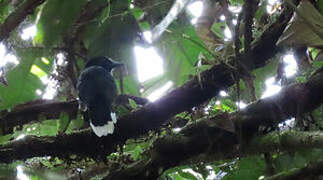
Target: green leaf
x,y
5,139
22,83
133,104
137,152
78,122
177,177
318,64
247,168
186,175
228,105
63,122
236,2
137,12
34,178
56,18
217,28
300,79
121,111
45,128
4,10
180,48
261,11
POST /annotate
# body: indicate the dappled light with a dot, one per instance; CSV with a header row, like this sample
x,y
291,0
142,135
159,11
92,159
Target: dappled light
x,y
227,33
51,83
288,124
51,88
195,9
241,104
272,6
160,91
290,69
290,65
149,63
223,93
21,174
29,32
176,130
235,9
272,87
6,57
38,92
20,137
148,36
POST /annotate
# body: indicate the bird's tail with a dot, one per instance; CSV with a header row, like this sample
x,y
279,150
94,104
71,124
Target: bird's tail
x,y
101,119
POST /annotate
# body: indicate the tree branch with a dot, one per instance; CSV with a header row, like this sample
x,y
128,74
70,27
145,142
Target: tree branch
x,y
285,141
309,171
208,139
41,109
35,111
183,147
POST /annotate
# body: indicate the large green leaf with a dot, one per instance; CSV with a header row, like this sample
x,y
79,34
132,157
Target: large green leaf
x,y
22,83
56,18
180,48
247,168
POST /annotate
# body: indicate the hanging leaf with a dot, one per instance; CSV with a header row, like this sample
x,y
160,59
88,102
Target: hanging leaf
x,y
63,122
133,104
303,32
137,152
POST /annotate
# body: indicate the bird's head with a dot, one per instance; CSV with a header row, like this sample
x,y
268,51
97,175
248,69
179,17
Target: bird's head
x,y
104,62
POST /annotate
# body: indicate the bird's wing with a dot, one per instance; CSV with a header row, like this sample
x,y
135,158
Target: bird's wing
x,y
96,84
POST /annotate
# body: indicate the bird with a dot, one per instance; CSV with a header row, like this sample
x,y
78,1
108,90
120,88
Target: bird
x,y
97,91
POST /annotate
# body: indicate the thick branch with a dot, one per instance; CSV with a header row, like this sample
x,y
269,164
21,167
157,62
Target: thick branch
x,y
38,110
285,141
210,139
35,111
309,171
15,18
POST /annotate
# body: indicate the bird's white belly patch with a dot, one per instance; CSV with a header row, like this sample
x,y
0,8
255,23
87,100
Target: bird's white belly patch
x,y
107,128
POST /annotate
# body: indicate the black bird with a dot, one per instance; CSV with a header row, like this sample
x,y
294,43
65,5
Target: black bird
x,y
97,92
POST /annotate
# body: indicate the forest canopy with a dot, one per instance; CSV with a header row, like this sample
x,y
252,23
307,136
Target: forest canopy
x,y
210,89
